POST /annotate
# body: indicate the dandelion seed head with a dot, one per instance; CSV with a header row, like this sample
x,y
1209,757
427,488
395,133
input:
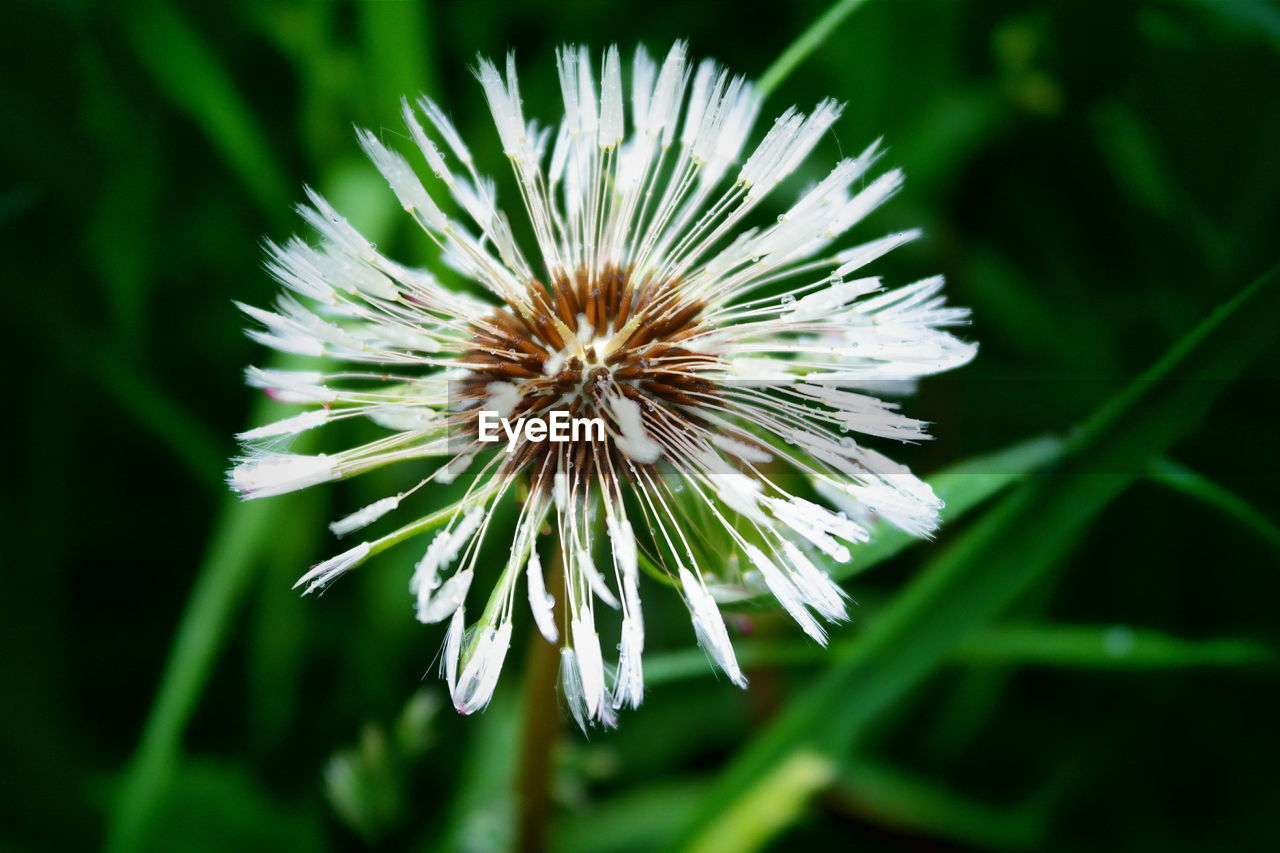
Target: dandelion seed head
x,y
714,350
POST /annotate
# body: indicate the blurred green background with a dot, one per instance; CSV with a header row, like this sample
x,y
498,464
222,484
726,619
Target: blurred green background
x,y
1081,660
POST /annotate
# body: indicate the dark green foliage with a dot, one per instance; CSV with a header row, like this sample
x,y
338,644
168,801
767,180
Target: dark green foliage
x,y
1082,659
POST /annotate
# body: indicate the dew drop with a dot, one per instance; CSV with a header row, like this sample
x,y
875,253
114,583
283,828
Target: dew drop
x,y
846,441
788,301
1118,641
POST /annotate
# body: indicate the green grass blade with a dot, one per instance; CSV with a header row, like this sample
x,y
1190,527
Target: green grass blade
x,y
242,536
276,629
1166,472
165,417
1104,647
962,487
193,78
139,396
687,663
398,54
923,806
1118,647
807,43
773,803
242,532
123,214
1014,543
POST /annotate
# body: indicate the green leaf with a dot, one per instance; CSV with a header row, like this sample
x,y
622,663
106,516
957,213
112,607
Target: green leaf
x,y
1014,543
1166,472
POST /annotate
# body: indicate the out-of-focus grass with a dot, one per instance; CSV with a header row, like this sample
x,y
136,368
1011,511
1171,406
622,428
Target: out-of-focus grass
x,y
924,806
1109,647
243,534
1183,479
1088,182
962,486
191,75
194,79
1025,534
809,41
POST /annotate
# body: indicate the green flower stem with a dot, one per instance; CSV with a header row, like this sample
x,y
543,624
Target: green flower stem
x,y
422,525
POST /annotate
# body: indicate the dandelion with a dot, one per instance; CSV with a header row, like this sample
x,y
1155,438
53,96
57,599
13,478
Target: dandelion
x,y
718,349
